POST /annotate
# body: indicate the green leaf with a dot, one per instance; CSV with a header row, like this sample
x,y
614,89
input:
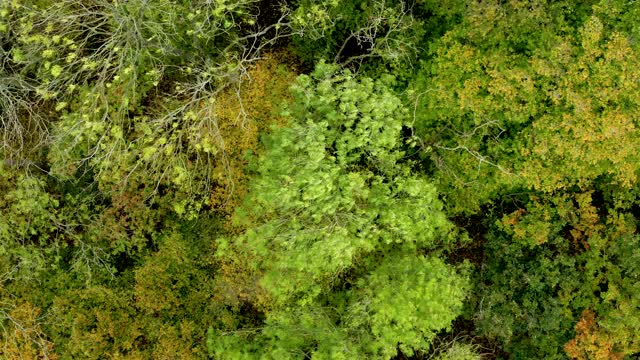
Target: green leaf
x,y
56,70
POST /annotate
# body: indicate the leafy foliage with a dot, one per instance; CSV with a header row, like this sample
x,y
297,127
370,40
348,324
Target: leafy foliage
x,y
534,292
541,111
352,31
334,179
332,192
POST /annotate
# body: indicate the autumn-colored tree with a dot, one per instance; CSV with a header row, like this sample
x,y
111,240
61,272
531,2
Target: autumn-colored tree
x,y
588,344
505,106
528,111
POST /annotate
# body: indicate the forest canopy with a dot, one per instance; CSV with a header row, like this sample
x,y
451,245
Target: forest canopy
x,y
327,179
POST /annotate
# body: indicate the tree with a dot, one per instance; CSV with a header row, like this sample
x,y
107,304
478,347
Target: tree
x,y
528,112
128,90
344,234
504,106
550,262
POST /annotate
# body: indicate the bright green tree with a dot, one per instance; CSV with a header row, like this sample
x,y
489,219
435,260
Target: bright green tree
x,y
345,235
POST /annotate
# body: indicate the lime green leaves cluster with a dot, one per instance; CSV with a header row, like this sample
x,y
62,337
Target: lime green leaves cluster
x,y
337,219
28,224
406,300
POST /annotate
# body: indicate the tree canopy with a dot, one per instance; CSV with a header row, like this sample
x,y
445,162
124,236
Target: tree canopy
x,y
333,179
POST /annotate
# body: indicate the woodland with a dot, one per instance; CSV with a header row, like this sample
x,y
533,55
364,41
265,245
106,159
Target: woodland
x,y
319,179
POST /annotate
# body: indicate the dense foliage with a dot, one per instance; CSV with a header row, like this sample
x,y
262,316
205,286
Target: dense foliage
x,y
332,179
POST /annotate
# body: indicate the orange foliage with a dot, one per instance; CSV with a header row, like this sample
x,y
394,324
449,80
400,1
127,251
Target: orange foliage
x,y
238,283
129,218
242,113
590,342
175,342
514,218
23,338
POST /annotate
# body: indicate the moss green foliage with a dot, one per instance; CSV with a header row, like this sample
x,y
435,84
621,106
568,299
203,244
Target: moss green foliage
x,y
538,123
542,108
333,179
